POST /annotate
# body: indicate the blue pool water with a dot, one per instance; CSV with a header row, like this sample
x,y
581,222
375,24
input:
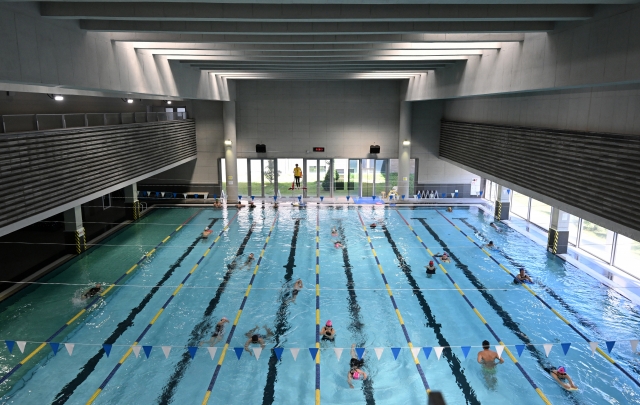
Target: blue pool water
x,y
352,294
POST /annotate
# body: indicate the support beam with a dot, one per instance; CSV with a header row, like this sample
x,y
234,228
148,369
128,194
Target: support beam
x,y
558,241
503,202
313,13
306,28
230,156
74,235
131,202
404,150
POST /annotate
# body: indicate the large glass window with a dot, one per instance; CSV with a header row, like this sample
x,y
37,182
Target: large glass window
x,y
270,177
286,180
368,173
353,183
243,178
256,177
380,184
628,255
312,178
341,177
223,174
519,205
325,177
540,214
574,223
596,240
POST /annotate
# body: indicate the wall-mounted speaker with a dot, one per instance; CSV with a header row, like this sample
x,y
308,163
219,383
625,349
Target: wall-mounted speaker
x,y
261,148
374,149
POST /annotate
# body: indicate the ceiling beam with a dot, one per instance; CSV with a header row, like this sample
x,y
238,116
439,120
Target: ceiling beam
x,y
189,48
304,28
183,58
313,12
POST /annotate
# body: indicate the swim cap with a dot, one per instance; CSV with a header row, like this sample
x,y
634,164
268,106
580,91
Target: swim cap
x,y
206,228
329,323
356,375
254,338
491,242
561,370
224,318
431,263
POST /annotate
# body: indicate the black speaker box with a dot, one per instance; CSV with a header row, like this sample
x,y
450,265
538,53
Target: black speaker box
x,y
374,149
261,148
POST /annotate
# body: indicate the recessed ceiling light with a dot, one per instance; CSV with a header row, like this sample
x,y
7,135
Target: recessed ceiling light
x,y
58,98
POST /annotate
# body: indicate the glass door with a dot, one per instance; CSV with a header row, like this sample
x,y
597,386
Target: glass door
x,y
255,173
353,183
270,177
312,177
368,174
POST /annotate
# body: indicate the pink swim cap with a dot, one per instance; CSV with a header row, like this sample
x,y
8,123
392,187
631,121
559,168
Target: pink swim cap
x,y
356,375
329,323
561,370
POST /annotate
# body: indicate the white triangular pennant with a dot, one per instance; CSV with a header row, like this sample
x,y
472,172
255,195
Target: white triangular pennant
x,y
593,346
379,351
547,348
499,350
69,347
212,351
634,345
294,353
166,350
21,344
338,352
415,351
136,350
257,351
438,351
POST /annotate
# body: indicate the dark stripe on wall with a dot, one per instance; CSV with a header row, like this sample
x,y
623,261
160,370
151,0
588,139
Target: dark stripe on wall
x,y
88,368
282,323
595,172
202,328
454,363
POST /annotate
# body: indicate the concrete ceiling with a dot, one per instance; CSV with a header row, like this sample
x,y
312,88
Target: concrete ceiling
x,y
347,39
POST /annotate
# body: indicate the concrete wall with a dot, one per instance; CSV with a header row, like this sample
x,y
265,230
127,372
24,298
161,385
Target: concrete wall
x,y
345,117
604,50
614,109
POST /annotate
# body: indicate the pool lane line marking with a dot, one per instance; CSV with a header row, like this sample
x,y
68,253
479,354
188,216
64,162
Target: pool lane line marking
x,y
562,318
91,303
212,383
155,318
479,315
395,307
318,306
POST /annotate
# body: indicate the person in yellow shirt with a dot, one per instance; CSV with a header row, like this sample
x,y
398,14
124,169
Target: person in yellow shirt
x,y
297,173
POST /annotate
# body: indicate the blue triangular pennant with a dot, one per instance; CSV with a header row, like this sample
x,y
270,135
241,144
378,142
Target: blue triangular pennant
x,y
321,198
359,352
610,345
348,197
520,349
192,351
314,352
396,352
107,349
275,197
427,351
565,347
253,197
278,351
147,350
239,197
299,198
465,350
10,344
238,351
54,347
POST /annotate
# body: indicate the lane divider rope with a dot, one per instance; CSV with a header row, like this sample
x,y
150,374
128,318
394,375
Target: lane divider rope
x,y
157,315
582,335
92,302
479,315
318,307
395,307
212,383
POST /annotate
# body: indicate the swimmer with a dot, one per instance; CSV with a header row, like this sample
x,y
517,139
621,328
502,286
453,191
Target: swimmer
x,y
275,205
522,277
239,205
327,331
334,232
249,260
355,370
297,286
337,244
490,245
443,257
92,291
449,209
373,226
494,226
252,205
206,232
218,332
560,375
431,269
488,357
217,204
257,338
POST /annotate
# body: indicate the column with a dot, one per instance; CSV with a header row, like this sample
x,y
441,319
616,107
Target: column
x,y
74,236
502,203
558,241
131,203
404,148
230,160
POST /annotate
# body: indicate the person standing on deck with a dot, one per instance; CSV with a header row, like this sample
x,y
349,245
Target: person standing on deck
x,y
297,174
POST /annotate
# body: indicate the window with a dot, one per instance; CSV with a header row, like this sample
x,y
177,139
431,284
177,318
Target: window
x,y
520,205
574,224
255,170
286,180
596,240
627,255
242,178
540,214
270,177
106,201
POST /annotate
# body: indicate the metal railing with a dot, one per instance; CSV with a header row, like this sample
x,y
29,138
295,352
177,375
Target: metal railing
x,y
41,122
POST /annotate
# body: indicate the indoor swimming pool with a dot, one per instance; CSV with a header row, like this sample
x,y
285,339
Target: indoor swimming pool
x,y
164,288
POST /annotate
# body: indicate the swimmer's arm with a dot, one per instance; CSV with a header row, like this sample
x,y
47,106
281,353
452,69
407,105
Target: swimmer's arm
x,y
559,381
246,345
480,359
364,375
262,343
499,358
571,382
323,330
349,379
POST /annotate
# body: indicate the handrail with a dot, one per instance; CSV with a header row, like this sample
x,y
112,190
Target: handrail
x,y
39,122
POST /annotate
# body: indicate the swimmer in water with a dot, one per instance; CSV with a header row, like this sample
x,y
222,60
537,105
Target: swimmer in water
x,y
337,244
251,204
297,286
206,232
327,331
218,332
487,358
494,226
490,245
92,291
249,260
275,205
443,257
334,232
431,269
449,209
257,338
355,368
522,277
560,375
217,204
373,226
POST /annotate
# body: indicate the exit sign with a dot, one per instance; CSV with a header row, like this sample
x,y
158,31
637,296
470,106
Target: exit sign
x,y
316,149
